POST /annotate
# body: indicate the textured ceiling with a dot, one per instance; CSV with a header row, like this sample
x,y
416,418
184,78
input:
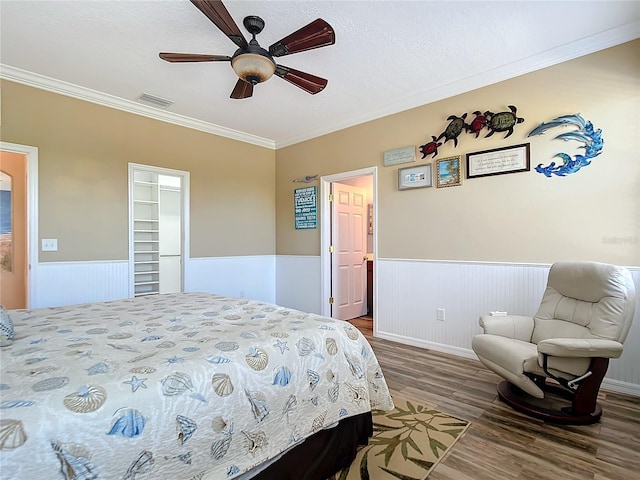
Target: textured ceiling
x,y
389,56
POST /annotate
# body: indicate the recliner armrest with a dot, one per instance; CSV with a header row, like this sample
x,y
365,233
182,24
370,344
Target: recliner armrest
x,y
580,347
509,326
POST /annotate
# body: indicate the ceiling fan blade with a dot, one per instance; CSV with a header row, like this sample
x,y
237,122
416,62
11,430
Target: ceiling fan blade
x,y
242,90
314,35
305,81
219,15
193,57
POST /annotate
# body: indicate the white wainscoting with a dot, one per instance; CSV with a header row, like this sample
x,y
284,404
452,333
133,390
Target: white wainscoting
x,y
248,276
298,282
410,292
67,283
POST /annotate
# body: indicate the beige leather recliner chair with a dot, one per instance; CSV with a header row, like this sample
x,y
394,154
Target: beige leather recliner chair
x,y
583,319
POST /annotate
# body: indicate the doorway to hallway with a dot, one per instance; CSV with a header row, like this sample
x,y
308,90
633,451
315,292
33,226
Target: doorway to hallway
x,y
348,243
18,224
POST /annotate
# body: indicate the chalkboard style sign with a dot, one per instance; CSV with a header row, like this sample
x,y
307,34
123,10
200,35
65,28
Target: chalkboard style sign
x,y
305,208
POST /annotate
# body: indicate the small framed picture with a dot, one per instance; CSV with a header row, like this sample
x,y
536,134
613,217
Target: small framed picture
x,y
498,161
415,177
448,172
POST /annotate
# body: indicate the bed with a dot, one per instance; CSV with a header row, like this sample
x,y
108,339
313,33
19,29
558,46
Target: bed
x,y
184,386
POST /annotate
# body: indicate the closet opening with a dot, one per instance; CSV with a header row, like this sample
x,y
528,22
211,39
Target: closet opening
x,y
158,231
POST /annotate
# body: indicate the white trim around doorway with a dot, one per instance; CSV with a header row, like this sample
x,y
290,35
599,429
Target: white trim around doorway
x,y
32,213
325,234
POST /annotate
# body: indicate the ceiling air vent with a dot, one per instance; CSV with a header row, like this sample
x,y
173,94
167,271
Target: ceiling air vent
x,y
155,101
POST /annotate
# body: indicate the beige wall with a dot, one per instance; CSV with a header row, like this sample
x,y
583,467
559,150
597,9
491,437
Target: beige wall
x,y
594,214
521,217
84,151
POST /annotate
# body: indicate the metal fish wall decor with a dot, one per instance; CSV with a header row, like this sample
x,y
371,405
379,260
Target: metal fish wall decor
x,y
590,138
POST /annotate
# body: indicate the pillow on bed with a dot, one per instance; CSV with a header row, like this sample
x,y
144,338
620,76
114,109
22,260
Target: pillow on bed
x,y
6,328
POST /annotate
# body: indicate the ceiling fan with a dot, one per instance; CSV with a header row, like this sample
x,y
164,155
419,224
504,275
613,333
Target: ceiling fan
x,y
254,64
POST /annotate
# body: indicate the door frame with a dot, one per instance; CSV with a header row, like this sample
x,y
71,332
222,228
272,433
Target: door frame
x,y
31,154
325,234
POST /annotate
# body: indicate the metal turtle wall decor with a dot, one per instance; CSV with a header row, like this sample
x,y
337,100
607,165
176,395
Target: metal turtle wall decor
x,y
502,121
454,129
493,122
591,139
478,123
430,147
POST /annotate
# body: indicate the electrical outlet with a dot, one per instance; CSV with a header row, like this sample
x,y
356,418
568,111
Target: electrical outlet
x,y
440,314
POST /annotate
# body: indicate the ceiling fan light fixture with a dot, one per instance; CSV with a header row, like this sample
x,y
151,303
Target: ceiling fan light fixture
x,y
253,67
252,63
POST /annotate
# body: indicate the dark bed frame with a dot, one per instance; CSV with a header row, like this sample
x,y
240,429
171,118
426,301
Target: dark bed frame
x,y
323,454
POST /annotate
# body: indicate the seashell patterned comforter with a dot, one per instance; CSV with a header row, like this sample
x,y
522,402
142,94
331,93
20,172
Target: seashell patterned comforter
x,y
174,386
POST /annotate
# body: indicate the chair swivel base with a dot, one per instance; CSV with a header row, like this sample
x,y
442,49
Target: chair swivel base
x,y
556,407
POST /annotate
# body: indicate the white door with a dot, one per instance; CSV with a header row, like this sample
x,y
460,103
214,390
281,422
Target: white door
x,y
349,239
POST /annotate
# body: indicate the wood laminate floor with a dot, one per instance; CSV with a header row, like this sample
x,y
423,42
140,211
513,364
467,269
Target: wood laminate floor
x,y
502,443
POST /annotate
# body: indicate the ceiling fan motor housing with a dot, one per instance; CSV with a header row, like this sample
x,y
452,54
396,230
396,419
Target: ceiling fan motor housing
x,y
253,24
253,64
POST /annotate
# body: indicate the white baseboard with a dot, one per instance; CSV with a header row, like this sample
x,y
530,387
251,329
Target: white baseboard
x,y
610,385
416,342
617,386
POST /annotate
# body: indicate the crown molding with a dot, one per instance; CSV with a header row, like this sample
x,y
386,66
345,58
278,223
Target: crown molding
x,y
566,52
569,51
42,82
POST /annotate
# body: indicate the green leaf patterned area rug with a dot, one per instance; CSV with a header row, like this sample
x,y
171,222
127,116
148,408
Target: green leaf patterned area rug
x,y
407,443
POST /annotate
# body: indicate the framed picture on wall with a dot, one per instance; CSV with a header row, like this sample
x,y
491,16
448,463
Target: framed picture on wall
x,y
498,161
448,172
415,177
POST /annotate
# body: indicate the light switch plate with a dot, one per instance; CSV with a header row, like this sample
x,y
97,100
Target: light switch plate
x,y
49,244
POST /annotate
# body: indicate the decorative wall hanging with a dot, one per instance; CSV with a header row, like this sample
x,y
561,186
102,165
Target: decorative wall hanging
x,y
454,129
448,172
400,155
415,177
307,179
494,122
431,147
502,121
592,143
305,207
478,123
498,161
6,222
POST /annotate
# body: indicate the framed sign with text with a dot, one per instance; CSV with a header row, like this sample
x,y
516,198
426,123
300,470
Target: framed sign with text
x,y
498,161
305,208
400,155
